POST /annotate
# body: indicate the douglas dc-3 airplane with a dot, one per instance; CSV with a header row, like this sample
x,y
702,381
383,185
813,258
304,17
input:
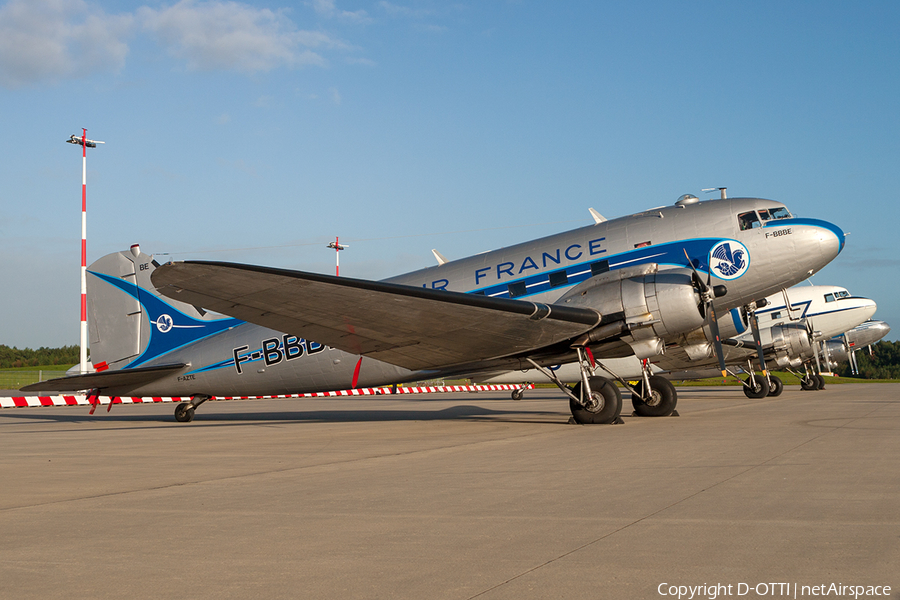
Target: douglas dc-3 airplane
x,y
793,326
635,285
844,347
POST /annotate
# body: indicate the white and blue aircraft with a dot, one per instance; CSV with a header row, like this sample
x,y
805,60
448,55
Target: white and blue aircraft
x,y
793,325
637,285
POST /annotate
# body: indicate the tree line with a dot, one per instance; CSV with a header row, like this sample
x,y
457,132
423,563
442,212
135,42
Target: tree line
x,y
11,358
885,364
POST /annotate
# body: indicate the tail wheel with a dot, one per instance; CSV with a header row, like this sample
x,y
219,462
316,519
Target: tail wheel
x,y
761,385
662,401
184,412
607,403
777,386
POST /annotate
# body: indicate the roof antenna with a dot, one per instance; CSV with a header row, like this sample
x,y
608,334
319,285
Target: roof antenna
x,y
721,190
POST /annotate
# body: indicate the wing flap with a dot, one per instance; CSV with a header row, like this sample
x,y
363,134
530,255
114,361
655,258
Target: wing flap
x,y
411,327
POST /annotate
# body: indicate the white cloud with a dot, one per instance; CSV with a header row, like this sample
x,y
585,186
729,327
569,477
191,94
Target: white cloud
x,y
58,39
397,10
327,8
229,35
335,95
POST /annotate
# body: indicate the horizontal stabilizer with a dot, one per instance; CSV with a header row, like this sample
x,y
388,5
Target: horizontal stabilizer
x,y
407,326
89,381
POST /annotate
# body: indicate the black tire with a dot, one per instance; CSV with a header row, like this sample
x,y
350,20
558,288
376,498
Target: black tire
x,y
809,383
609,403
663,400
761,383
184,412
820,382
777,386
518,393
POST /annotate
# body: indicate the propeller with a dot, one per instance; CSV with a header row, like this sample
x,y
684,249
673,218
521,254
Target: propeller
x,y
707,310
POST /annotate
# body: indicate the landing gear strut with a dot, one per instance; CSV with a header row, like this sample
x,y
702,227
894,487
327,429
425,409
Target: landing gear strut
x,y
184,412
594,400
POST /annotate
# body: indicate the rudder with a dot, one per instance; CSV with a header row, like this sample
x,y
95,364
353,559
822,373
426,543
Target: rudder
x,y
130,324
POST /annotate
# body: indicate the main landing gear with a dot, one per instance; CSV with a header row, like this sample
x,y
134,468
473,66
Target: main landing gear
x,y
659,402
593,400
184,412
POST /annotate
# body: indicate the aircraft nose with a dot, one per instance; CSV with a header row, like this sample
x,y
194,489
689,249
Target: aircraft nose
x,y
868,307
831,239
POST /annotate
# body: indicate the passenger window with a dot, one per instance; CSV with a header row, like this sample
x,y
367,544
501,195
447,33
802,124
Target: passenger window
x,y
558,278
516,289
599,267
776,315
829,297
749,220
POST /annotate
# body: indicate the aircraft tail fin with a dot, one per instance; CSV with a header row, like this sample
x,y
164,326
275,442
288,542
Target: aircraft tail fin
x,y
129,323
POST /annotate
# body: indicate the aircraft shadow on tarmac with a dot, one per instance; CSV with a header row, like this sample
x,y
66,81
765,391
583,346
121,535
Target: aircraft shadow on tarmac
x,y
211,416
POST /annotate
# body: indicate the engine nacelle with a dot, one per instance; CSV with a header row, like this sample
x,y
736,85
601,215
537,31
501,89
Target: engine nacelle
x,y
652,304
790,343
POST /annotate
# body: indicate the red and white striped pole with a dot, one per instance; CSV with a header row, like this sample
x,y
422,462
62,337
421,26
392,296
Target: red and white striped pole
x,y
337,255
83,251
84,142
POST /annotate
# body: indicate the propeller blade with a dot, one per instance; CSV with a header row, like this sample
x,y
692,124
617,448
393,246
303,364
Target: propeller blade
x,y
707,311
717,340
698,281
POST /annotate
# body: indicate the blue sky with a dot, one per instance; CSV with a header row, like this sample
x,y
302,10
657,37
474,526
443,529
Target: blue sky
x,y
258,131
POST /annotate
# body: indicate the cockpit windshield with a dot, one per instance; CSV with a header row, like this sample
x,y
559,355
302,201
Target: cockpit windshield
x,y
836,295
750,220
778,212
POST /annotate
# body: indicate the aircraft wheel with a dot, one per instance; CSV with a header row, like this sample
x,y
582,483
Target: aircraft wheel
x,y
761,384
608,399
809,383
184,412
820,382
777,386
518,393
663,398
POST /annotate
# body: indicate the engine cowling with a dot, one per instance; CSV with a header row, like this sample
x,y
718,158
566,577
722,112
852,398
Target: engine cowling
x,y
653,305
790,343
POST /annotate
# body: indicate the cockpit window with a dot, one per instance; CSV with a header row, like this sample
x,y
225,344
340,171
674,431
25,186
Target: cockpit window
x,y
749,220
829,297
779,213
842,294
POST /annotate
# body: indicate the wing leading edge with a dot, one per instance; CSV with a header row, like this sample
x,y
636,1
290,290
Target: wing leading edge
x,y
411,327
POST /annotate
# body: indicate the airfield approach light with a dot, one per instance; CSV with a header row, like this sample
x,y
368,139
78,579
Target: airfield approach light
x,y
85,144
337,254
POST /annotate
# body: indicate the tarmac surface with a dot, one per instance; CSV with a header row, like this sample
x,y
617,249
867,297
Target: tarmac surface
x,y
454,496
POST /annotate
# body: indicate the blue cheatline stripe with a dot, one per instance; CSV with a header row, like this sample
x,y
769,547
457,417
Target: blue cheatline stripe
x,y
671,253
837,231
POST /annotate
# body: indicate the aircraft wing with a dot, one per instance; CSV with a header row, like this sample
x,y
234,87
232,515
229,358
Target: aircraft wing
x,y
411,327
119,378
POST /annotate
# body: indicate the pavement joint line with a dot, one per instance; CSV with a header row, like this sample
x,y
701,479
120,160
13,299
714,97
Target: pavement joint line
x,y
676,503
